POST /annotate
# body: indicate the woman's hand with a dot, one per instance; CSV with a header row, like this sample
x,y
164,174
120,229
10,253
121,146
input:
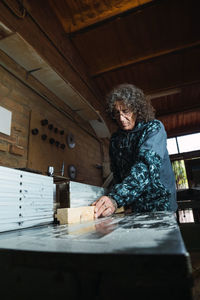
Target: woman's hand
x,y
105,206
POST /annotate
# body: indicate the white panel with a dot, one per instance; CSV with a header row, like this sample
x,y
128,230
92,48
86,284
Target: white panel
x,y
100,128
81,194
20,51
26,199
5,120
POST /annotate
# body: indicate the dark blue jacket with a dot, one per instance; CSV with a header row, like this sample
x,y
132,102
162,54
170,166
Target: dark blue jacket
x,y
143,176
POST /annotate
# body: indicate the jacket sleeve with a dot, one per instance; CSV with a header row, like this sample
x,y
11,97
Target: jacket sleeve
x,y
145,170
113,168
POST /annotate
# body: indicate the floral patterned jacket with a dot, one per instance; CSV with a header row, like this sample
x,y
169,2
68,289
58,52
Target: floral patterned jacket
x,y
143,176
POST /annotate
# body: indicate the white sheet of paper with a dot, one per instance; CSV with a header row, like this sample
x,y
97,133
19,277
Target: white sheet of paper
x,y
5,120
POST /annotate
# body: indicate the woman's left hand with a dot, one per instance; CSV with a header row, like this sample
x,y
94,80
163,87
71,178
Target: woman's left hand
x,y
104,207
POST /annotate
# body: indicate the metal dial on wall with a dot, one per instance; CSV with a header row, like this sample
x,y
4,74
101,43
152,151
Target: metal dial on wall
x,y
70,140
72,171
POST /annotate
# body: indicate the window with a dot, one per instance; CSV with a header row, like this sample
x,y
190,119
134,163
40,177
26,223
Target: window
x,y
172,146
186,167
189,142
185,143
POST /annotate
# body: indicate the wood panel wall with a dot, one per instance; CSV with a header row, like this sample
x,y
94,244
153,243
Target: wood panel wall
x,y
23,149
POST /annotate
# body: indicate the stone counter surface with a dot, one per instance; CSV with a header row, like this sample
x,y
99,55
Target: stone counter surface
x,y
155,233
119,256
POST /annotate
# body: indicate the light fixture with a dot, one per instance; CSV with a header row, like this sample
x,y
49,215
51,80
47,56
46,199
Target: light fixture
x,y
164,93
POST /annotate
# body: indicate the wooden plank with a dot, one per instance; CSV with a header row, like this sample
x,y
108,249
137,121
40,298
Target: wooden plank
x,y
21,52
75,214
34,84
3,147
54,30
59,62
77,17
16,150
10,65
145,58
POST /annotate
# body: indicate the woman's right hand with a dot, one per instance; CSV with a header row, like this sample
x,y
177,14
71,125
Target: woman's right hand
x,y
104,207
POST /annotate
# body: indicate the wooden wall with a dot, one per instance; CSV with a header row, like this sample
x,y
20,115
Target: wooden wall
x,y
23,149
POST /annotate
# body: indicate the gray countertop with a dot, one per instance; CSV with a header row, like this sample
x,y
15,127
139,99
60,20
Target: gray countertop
x,y
150,233
110,258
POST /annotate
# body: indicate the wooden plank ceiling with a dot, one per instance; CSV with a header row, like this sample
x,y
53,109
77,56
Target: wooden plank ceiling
x,y
152,44
155,46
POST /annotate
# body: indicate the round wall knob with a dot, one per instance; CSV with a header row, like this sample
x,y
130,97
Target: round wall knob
x,y
57,143
35,131
62,146
44,122
44,137
51,141
50,126
61,132
55,130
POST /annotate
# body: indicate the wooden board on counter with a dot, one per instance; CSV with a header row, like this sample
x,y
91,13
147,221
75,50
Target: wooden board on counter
x,y
75,214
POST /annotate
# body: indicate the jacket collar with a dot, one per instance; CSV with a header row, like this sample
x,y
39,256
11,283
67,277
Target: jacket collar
x,y
139,126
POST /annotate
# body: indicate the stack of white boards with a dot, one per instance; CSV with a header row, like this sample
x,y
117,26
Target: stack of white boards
x,y
80,198
26,199
81,194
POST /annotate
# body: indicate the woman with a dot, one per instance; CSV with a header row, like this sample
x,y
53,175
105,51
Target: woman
x,y
143,176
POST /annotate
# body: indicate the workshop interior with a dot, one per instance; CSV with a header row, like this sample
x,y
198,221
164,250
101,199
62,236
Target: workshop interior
x,y
58,61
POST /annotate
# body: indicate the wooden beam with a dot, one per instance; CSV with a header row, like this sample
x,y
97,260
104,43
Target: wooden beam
x,y
171,87
42,44
56,34
145,58
177,111
182,131
186,155
20,73
180,123
83,16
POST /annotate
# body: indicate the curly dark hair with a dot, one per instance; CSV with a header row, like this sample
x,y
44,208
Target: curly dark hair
x,y
134,99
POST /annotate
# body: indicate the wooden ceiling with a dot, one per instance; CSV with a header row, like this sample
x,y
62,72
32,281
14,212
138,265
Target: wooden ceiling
x,y
80,14
152,44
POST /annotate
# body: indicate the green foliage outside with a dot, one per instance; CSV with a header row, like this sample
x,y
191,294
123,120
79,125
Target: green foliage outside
x,y
180,174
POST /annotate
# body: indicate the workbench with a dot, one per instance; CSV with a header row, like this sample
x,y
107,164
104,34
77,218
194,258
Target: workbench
x,y
136,256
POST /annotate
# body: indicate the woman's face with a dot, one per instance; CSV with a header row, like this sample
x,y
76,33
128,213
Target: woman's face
x,y
124,117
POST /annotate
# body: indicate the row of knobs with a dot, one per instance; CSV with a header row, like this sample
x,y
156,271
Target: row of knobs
x,y
52,141
51,127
